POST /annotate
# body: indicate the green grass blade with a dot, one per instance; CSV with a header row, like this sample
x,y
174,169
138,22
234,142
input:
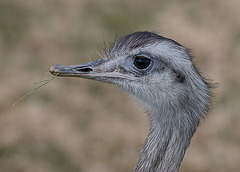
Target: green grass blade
x,y
45,82
41,81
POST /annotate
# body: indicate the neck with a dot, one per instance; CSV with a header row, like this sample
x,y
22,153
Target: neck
x,y
166,145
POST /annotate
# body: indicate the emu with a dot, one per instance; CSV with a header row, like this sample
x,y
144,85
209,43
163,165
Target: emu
x,y
160,74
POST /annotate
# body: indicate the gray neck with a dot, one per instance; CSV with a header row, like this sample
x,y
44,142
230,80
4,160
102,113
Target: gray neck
x,y
166,145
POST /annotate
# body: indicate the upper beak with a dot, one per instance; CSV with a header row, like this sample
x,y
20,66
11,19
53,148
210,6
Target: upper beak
x,y
86,70
101,70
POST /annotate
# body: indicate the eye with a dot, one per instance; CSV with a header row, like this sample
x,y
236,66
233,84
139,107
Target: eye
x,y
141,62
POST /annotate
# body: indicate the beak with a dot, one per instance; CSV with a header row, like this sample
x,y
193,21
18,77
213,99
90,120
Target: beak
x,y
80,70
101,70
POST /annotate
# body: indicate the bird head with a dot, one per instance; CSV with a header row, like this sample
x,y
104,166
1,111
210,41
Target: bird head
x,y
155,70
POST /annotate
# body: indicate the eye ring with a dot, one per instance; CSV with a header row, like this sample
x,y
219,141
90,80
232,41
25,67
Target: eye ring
x,y
141,62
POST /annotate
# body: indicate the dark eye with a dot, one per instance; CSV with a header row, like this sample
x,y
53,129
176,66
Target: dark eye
x,y
141,62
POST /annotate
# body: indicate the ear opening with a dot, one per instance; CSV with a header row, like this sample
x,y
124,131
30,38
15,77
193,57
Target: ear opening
x,y
179,77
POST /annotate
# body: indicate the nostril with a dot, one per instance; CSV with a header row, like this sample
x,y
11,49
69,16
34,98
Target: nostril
x,y
83,69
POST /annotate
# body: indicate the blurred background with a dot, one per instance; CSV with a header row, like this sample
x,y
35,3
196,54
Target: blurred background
x,y
80,125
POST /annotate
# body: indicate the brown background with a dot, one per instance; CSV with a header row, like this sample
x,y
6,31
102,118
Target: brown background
x,y
80,125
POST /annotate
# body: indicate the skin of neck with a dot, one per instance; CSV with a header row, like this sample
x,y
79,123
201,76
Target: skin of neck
x,y
165,146
172,126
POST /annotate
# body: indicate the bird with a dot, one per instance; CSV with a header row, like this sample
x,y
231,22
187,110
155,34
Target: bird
x,y
162,76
